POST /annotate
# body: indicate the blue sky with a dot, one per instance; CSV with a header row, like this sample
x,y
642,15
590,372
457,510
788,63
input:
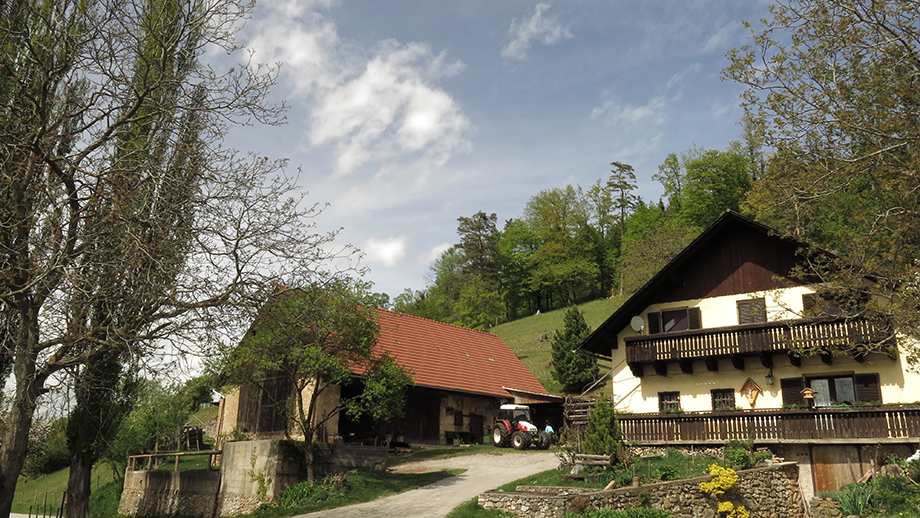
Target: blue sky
x,y
406,115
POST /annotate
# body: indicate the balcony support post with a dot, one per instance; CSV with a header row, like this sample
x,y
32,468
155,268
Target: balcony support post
x,y
686,365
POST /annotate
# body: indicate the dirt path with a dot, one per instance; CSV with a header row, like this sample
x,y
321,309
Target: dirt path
x,y
483,472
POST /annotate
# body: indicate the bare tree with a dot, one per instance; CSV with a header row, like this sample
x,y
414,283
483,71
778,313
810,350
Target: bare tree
x,y
126,229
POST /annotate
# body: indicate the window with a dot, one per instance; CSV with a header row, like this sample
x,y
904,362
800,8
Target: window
x,y
752,311
458,418
833,304
668,401
833,390
672,320
723,398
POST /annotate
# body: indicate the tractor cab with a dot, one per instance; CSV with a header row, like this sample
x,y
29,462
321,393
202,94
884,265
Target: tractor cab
x,y
515,413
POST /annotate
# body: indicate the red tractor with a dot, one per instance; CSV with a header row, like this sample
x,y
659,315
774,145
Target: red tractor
x,y
513,427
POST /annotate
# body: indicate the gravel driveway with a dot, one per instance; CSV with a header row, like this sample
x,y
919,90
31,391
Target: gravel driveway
x,y
483,473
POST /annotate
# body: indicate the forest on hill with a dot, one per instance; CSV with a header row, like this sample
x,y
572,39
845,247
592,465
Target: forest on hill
x,y
574,244
829,154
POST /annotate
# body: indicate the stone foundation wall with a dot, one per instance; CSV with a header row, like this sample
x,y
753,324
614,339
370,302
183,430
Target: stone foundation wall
x,y
161,493
251,473
824,508
771,492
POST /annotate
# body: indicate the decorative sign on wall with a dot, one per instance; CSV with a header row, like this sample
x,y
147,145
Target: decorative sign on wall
x,y
751,390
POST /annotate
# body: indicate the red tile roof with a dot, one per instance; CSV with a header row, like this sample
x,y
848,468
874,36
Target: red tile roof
x,y
454,358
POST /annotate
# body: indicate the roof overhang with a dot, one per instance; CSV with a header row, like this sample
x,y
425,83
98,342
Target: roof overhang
x,y
525,397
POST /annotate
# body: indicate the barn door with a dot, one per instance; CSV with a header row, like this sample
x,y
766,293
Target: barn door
x,y
835,466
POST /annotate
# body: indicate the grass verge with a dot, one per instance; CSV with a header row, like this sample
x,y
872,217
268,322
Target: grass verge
x,y
353,488
523,336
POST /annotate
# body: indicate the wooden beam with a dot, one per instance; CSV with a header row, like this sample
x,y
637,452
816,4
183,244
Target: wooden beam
x,y
766,359
795,359
637,369
661,368
712,363
686,366
827,357
738,361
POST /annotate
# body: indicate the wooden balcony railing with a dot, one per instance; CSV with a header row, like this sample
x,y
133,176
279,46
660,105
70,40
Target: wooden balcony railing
x,y
773,426
754,339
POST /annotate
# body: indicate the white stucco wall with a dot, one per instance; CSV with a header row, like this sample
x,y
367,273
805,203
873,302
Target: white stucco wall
x,y
898,382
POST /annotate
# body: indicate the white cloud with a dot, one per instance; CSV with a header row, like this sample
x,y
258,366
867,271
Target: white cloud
x,y
387,251
548,28
654,111
615,112
435,252
375,105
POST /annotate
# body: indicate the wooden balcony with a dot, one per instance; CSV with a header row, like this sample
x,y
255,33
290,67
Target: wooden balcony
x,y
776,426
737,342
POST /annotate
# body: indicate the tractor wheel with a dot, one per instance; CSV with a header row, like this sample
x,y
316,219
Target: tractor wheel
x,y
500,436
544,440
520,440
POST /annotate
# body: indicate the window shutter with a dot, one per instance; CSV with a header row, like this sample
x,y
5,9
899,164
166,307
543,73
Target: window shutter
x,y
654,323
744,312
792,391
867,387
693,315
810,304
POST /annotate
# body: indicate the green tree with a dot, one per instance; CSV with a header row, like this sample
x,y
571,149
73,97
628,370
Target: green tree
x,y
574,371
564,263
517,245
480,305
154,422
478,247
121,227
653,238
833,84
312,339
623,182
672,176
715,181
603,435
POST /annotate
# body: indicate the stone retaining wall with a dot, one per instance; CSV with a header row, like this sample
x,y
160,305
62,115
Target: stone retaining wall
x,y
162,493
251,473
771,492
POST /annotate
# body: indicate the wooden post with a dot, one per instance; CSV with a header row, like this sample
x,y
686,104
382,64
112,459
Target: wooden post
x,y
177,463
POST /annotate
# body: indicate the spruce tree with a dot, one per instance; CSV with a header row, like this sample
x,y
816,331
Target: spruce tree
x,y
572,370
603,435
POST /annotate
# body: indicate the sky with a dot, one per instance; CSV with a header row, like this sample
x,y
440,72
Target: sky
x,y
404,116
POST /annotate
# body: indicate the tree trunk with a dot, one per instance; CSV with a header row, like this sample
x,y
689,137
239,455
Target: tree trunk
x,y
79,486
16,438
308,459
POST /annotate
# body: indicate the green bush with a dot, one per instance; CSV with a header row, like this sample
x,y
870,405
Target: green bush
x,y
307,493
738,455
856,499
48,453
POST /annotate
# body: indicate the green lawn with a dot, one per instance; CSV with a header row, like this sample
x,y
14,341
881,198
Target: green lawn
x,y
47,490
523,337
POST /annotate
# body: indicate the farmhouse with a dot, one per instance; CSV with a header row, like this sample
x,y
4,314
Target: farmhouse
x,y
461,376
725,343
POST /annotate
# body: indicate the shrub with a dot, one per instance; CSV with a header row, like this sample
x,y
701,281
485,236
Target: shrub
x,y
307,493
603,435
723,479
856,499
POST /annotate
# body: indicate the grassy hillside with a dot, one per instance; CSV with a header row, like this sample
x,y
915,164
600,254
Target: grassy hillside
x,y
523,337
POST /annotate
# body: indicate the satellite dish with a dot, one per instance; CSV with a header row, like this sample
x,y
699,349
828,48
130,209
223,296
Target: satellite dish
x,y
637,324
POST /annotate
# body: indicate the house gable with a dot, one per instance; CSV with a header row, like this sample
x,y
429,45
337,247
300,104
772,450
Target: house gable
x,y
735,255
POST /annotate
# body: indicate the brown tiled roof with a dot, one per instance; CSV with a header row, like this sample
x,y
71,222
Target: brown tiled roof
x,y
454,358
